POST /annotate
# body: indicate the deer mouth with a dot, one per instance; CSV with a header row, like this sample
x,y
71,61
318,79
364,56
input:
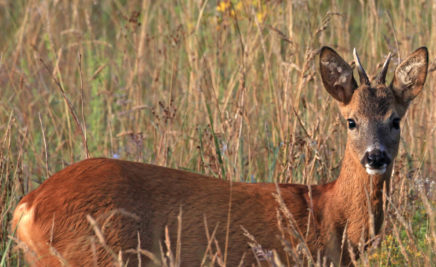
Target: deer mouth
x,y
376,171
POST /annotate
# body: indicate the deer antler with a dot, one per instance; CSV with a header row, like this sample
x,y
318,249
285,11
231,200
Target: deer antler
x,y
381,77
362,74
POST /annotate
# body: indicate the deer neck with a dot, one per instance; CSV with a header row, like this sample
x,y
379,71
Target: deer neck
x,y
357,195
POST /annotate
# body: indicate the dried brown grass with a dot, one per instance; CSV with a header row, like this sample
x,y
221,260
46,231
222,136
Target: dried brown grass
x,y
232,92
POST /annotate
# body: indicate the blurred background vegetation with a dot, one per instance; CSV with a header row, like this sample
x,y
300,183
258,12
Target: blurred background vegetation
x,y
227,88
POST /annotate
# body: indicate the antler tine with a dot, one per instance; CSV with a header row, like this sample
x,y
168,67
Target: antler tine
x,y
381,77
362,74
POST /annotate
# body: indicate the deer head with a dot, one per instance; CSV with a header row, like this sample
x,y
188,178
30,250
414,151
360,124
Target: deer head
x,y
373,110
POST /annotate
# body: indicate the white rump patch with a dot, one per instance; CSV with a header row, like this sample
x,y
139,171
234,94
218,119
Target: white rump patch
x,y
23,219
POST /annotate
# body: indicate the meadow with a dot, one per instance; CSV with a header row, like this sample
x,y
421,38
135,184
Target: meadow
x,y
230,89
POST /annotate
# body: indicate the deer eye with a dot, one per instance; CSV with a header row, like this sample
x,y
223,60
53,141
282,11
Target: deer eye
x,y
351,124
396,123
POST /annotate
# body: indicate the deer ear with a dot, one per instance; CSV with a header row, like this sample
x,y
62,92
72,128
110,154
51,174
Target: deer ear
x,y
337,75
410,76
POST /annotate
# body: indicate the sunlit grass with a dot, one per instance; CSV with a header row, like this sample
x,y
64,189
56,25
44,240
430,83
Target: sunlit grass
x,y
226,88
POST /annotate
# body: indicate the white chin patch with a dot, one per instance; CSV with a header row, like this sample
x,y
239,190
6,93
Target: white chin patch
x,y
372,171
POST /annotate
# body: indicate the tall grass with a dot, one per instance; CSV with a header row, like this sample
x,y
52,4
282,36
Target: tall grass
x,y
226,88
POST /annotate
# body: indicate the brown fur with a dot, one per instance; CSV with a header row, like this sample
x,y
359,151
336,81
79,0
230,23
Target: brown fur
x,y
134,202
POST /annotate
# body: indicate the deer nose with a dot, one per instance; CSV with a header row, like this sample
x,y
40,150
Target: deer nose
x,y
376,159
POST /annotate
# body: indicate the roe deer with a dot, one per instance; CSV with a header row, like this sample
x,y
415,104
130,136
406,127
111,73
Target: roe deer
x,y
132,203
